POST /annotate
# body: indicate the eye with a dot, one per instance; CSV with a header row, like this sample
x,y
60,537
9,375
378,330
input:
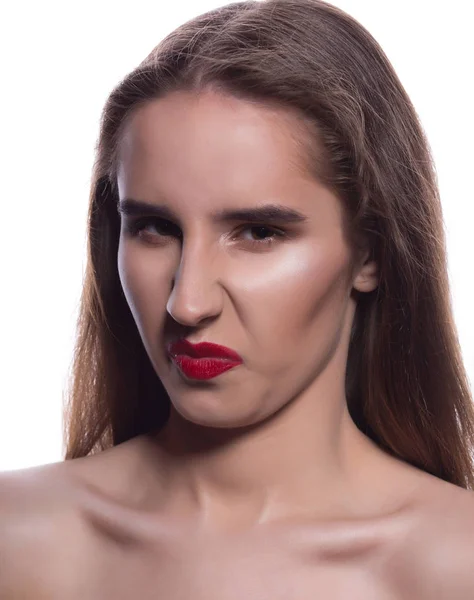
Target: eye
x,y
261,230
167,229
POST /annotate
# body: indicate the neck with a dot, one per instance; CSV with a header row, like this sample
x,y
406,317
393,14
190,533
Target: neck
x,y
305,459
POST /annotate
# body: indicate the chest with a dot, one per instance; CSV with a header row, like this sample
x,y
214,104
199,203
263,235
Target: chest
x,y
229,569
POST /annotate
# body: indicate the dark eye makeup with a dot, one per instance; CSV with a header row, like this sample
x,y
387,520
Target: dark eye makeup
x,y
136,228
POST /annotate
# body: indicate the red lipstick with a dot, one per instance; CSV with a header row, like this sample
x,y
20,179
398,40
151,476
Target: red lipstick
x,y
204,360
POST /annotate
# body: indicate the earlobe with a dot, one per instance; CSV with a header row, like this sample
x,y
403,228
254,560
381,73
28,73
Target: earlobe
x,y
367,278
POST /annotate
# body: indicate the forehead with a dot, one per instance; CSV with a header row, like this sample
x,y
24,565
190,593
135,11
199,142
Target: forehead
x,y
211,127
209,148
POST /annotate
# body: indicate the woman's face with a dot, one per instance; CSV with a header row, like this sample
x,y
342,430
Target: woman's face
x,y
279,297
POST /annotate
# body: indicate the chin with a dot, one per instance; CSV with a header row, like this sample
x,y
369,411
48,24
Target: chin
x,y
213,414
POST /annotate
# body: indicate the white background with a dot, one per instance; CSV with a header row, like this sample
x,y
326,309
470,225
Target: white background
x,y
59,61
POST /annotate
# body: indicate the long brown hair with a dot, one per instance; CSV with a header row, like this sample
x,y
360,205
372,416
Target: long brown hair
x,y
406,384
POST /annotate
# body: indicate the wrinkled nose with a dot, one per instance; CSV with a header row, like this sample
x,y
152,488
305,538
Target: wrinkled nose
x,y
196,293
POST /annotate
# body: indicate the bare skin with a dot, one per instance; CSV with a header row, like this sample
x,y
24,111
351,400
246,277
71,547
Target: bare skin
x,y
86,529
260,486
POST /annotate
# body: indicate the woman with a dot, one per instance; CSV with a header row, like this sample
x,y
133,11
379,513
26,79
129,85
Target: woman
x,y
268,398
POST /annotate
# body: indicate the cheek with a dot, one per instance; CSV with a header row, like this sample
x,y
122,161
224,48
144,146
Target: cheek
x,y
288,295
277,295
144,283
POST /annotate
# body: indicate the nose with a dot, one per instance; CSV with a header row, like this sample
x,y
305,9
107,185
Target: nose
x,y
196,293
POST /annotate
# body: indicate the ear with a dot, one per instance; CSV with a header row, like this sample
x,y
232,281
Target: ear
x,y
366,277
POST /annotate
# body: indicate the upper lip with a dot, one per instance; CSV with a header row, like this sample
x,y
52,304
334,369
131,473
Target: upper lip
x,y
202,350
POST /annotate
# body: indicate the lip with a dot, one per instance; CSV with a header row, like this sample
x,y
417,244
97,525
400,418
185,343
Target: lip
x,y
203,350
203,368
204,360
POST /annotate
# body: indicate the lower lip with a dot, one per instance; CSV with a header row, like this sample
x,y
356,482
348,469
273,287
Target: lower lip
x,y
203,368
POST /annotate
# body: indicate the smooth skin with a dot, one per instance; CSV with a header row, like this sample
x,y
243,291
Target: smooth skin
x,y
260,486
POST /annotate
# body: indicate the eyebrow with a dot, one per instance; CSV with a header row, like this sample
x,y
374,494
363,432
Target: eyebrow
x,y
273,213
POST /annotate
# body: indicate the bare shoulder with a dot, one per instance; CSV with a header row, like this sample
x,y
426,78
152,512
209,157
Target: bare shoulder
x,y
38,520
439,550
46,536
452,544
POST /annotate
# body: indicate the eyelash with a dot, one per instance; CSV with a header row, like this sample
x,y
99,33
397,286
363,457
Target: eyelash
x,y
135,227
